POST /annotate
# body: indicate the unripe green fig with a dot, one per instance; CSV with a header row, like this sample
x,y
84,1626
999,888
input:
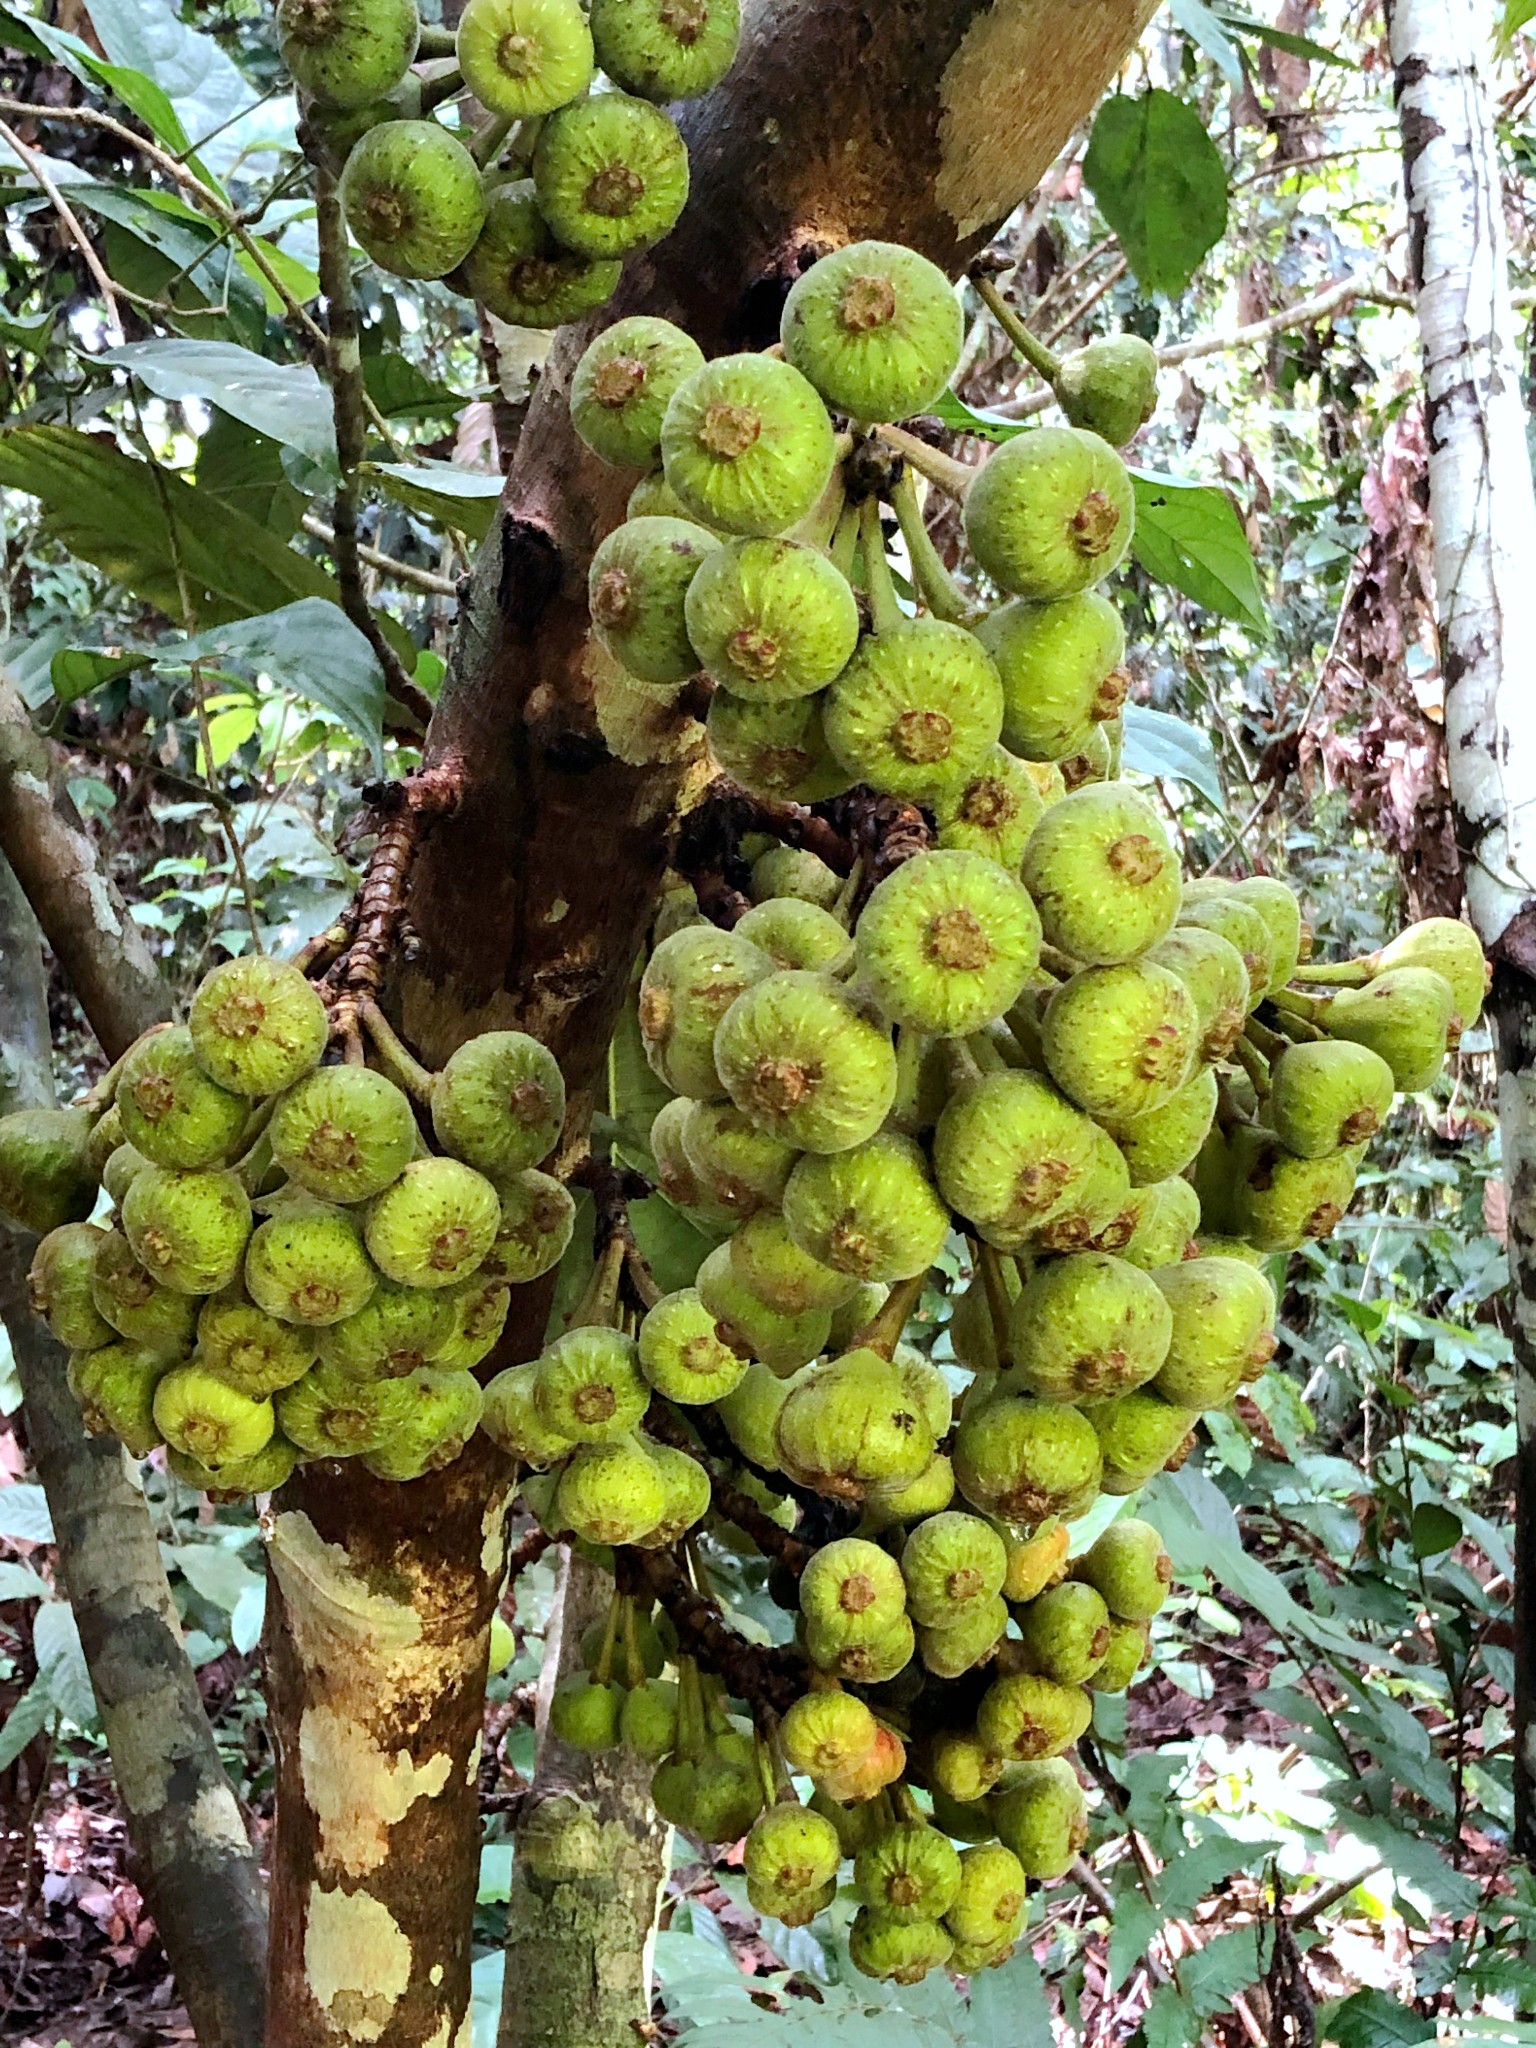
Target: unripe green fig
x,y
1050,513
666,49
686,1496
538,1216
946,942
852,1424
1037,1560
911,1874
1109,387
771,619
949,1563
523,57
499,1102
343,1133
137,1306
1061,672
117,1175
249,1349
636,590
344,53
1216,976
747,444
781,1339
307,1265
1098,759
1129,1569
1127,1652
330,1413
1405,1015
1241,924
690,984
1103,874
115,1387
1453,950
870,1212
518,271
1023,1716
1043,1818
682,1354
916,710
1222,1315
1279,1201
790,1855
1167,1220
798,935
648,1718
208,1419
993,812
1065,1633
901,1951
1097,1211
1277,905
1009,1151
775,750
413,198
611,1492
989,1906
1327,1095
826,1731
804,1063
257,1026
1024,1460
877,329
511,1419
1138,1433
188,1229
611,174
620,387
397,1332
783,872
733,1163
785,1277
59,1286
432,1226
171,1111
1088,1327
959,1766
590,1387
1165,1140
970,1639
1120,1041
106,1138
444,1410
270,1468
584,1712
853,1587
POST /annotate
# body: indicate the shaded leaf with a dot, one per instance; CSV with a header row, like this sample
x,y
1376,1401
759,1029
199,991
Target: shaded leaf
x,y
402,391
1373,2019
1157,743
1434,1528
311,648
61,1664
1189,535
1241,22
286,401
206,85
24,1513
29,1717
76,671
1136,1920
214,1572
464,498
1009,2008
1160,183
245,469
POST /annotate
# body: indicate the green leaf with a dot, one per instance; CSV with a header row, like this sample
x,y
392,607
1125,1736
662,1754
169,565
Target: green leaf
x,y
1204,30
29,1717
24,1513
1136,1920
1418,1865
76,671
1160,183
1009,2008
1241,22
1157,743
990,426
33,331
1169,2022
1434,1528
214,1572
206,86
1189,535
495,1886
246,470
401,391
464,498
105,505
61,1664
672,1247
20,1582
311,648
1373,2019
285,401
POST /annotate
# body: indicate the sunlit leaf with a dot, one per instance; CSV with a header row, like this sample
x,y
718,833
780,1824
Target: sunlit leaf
x,y
1160,183
285,401
1189,535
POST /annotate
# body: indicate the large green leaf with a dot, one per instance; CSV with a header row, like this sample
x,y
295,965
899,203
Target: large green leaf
x,y
246,470
1160,183
311,648
1374,2019
61,1664
1189,535
286,401
28,1718
209,90
453,496
106,506
1156,743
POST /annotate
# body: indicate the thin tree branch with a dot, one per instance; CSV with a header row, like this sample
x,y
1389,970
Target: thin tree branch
x,y
387,565
33,163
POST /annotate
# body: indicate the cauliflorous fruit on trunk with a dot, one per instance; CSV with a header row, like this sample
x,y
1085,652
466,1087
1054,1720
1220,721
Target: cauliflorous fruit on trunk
x,y
1008,1152
1244,929
209,1419
747,445
1280,1201
682,1354
1098,760
1453,950
1223,1311
270,1468
850,1425
966,1641
329,1413
946,942
951,1562
252,1351
1023,1460
344,53
521,274
916,711
1277,905
136,1305
798,935
1061,672
1120,1041
750,1413
1096,1210
523,57
620,387
612,1492
666,49
117,1175
1043,1818
734,1164
498,1102
1405,1015
307,1264
590,1387
1125,1656
870,1212
1065,1633
584,1712
886,1507
852,1588
782,1340
257,1025
794,871
106,1137
1167,1220
636,590
686,1492
1167,1139
690,983
1109,387
767,1261
511,1419
989,1905
413,198
648,1718
444,1411
59,1286
344,1133
994,811
171,1111
1023,1716
538,1215
114,1385
432,1226
822,1732
958,1765
912,1873
775,750
877,329
771,619
1050,513
901,1952
399,1330
1087,1327
807,1066
1128,1568
1138,1434
1103,874
1327,1095
1216,976
789,1857
188,1229
611,174
1037,1560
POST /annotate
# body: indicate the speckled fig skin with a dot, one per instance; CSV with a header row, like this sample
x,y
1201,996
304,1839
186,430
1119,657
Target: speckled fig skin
x,y
771,619
1024,1717
343,1133
331,1414
1022,1459
950,1562
432,1226
969,1640
1050,513
775,750
1222,1316
1120,1041
805,1064
946,942
511,1419
114,1385
620,387
877,329
912,1873
208,1419
1168,1138
251,1350
1453,950
853,1588
767,1261
538,1218
994,811
135,1304
870,1212
790,1855
1088,1327
798,935
1008,1151
612,1492
1242,926
852,1424
903,1953
1065,1633
445,1409
750,1413
1279,1201
782,1340
637,589
1167,1222
171,1111
916,710
1277,905
989,1905
413,198
1327,1095
1103,874
666,49
1129,1569
271,1468
735,1164
1061,670
257,1025
345,53
747,445
1109,386
498,1102
524,57
1043,1818
397,1332
188,1229
690,983
1139,1433
521,274
611,175
1405,1015
1216,976
307,1264
590,1387
59,1286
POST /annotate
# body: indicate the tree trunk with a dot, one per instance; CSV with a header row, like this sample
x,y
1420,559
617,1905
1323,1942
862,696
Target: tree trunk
x,y
1484,516
193,1859
927,123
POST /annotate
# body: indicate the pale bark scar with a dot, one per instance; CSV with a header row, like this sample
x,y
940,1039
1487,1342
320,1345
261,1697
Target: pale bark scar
x,y
357,1962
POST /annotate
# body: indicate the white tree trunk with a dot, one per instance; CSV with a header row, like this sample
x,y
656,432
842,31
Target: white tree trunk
x,y
1484,516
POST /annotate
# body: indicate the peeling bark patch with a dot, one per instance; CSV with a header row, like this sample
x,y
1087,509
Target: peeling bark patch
x,y
472,1768
357,1963
357,1791
493,1530
1025,70
334,1612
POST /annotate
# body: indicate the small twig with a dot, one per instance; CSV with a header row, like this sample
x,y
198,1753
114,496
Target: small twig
x,y
771,1678
32,162
387,565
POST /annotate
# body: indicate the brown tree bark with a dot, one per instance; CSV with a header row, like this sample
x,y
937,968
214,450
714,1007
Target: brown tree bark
x,y
923,121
